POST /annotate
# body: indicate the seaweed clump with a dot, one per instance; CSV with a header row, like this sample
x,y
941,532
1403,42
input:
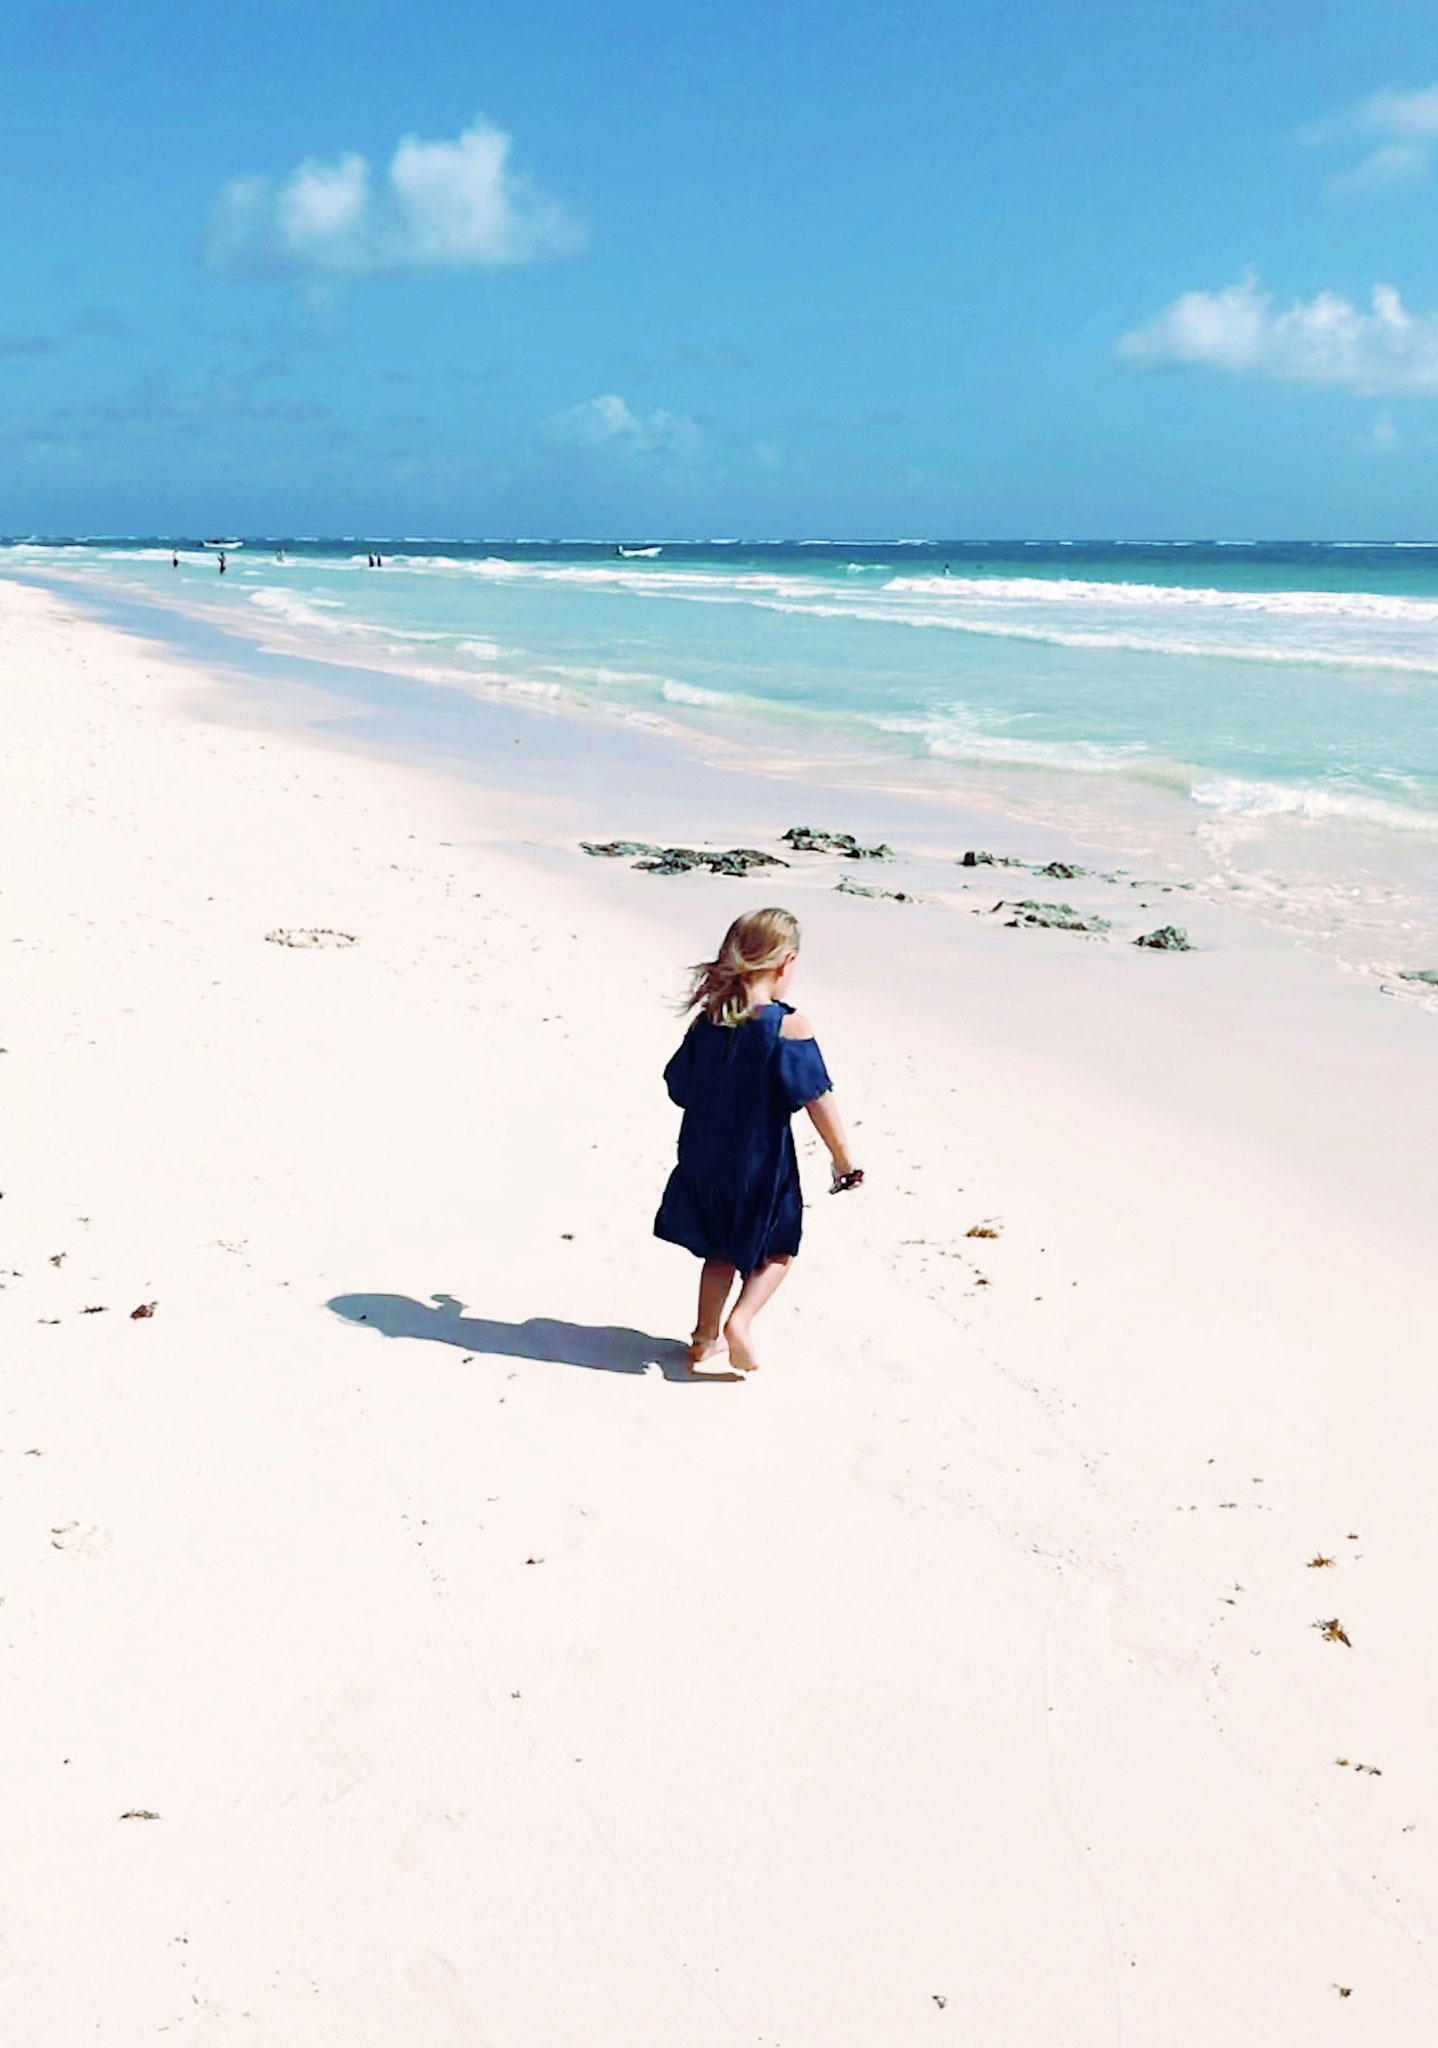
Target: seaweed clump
x,y
847,888
1051,917
804,839
681,860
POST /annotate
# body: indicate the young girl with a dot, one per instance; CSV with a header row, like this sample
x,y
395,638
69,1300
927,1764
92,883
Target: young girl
x,y
748,1062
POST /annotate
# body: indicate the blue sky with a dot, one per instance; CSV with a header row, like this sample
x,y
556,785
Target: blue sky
x,y
778,269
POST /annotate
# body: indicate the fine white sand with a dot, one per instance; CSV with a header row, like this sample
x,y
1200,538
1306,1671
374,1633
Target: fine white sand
x,y
445,1670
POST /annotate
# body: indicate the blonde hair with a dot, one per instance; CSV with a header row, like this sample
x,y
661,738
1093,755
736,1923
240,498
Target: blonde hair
x,y
754,944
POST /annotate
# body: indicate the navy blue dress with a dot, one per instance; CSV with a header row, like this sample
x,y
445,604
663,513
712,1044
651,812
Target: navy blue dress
x,y
734,1196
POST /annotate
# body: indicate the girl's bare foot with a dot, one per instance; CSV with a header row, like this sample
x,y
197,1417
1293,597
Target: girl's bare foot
x,y
740,1355
702,1349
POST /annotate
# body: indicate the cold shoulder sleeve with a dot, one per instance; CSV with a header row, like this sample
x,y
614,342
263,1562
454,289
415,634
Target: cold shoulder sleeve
x,y
679,1070
803,1077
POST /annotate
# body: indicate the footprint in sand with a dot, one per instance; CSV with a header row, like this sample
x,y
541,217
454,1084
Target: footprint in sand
x,y
434,1981
337,1771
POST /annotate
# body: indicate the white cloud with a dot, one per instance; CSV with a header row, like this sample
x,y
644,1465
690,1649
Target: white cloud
x,y
1393,164
439,206
1406,125
1327,340
608,423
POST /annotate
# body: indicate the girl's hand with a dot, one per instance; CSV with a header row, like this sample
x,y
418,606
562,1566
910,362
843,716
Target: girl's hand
x,y
846,1178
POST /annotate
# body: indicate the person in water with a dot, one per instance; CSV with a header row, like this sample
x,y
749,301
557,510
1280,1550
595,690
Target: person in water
x,y
222,561
747,1064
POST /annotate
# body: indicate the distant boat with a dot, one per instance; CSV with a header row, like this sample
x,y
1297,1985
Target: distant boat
x,y
222,544
630,553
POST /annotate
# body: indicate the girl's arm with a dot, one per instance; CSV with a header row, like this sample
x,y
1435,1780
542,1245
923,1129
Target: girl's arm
x,y
824,1115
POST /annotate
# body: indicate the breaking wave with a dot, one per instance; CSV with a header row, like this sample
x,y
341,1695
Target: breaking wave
x,y
1237,797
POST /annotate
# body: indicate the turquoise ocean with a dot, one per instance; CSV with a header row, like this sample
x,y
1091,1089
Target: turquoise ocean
x,y
1260,718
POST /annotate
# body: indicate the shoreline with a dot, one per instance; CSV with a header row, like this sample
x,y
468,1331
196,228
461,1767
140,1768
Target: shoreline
x,y
1333,885
491,1684
549,780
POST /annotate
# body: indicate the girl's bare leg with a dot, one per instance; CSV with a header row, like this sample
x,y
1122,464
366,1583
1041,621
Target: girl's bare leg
x,y
715,1280
757,1289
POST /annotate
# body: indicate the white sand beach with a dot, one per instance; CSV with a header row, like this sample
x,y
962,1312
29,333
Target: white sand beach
x,y
402,1651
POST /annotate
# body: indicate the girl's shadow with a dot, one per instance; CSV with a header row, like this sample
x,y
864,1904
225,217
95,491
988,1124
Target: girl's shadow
x,y
598,1347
